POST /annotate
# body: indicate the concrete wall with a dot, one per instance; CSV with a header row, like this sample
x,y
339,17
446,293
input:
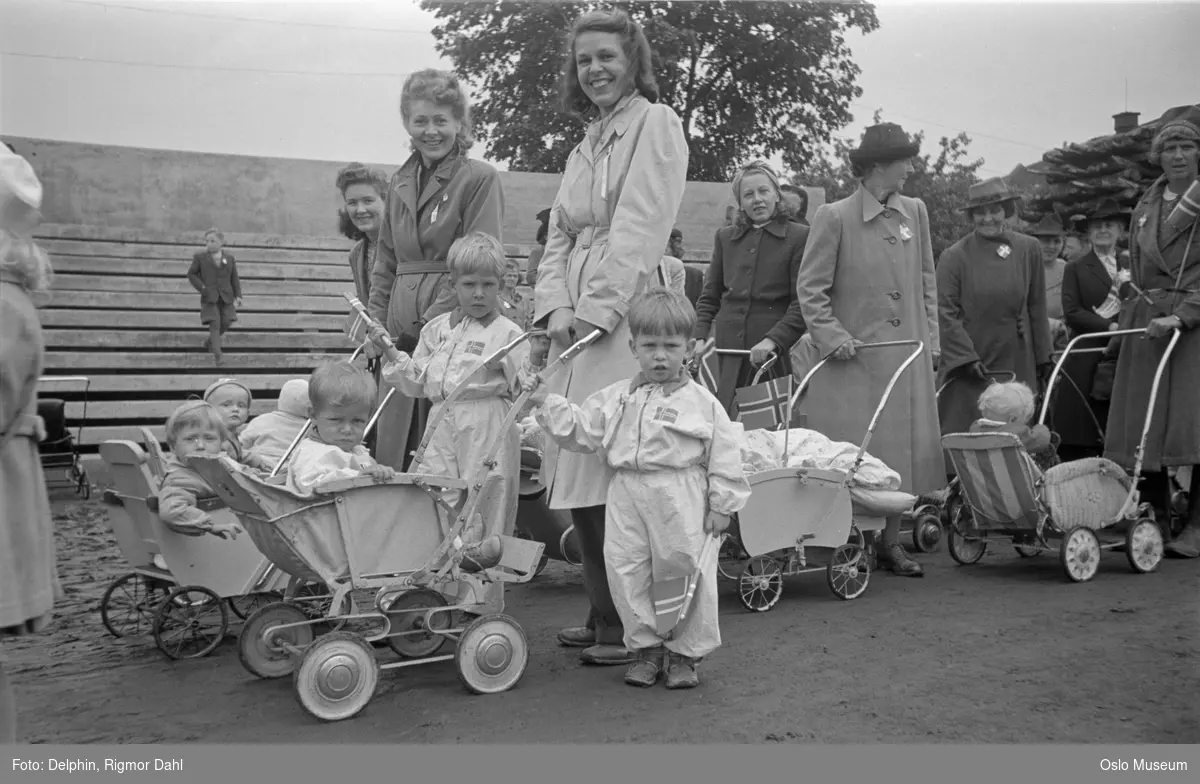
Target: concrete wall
x,y
171,190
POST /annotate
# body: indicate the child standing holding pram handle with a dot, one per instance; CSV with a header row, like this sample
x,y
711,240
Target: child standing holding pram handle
x,y
678,479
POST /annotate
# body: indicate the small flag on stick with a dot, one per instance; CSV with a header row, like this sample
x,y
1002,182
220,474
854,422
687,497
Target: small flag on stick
x,y
358,323
673,597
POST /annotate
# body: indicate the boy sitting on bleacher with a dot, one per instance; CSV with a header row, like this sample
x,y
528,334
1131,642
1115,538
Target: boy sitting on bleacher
x,y
195,428
268,436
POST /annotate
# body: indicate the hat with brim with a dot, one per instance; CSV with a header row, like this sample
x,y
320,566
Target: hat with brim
x,y
1048,226
544,216
20,191
991,191
1108,209
884,143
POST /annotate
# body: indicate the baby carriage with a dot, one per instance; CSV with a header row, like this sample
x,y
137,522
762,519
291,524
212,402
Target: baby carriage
x,y
59,452
1078,506
388,538
795,510
186,605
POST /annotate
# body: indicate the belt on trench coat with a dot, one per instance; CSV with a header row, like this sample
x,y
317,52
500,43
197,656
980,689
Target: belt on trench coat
x,y
591,235
421,268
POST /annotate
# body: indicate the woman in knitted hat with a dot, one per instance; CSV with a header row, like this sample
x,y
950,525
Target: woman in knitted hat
x,y
28,574
1165,265
749,292
991,307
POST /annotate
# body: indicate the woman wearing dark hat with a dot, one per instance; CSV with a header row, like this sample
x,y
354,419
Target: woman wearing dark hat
x,y
1165,265
866,277
1093,287
750,290
991,306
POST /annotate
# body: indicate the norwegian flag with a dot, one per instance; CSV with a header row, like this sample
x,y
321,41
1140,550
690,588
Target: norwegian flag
x,y
358,323
764,406
673,597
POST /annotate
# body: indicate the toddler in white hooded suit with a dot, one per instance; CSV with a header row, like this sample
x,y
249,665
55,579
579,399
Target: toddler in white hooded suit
x,y
268,436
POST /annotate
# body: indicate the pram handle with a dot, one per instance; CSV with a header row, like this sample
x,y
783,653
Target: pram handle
x,y
919,347
1066,351
698,363
1008,375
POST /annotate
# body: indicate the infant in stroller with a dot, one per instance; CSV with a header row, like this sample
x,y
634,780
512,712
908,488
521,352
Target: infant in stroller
x,y
1009,408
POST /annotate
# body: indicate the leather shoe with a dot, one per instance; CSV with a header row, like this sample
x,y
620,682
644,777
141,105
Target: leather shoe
x,y
577,637
484,555
1186,544
894,557
606,655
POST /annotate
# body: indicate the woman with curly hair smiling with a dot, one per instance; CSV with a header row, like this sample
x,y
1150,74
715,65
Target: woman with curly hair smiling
x,y
359,218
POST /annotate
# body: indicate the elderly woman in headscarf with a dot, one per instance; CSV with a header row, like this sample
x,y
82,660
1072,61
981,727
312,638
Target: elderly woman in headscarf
x,y
750,290
991,288
1165,265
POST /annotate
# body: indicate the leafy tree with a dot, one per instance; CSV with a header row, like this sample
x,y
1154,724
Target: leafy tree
x,y
747,79
940,179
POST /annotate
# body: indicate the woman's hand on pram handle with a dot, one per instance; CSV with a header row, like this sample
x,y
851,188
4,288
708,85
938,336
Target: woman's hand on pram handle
x,y
846,351
715,523
380,473
559,326
1163,326
761,351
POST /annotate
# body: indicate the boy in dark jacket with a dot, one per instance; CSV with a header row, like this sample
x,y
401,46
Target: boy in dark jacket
x,y
214,274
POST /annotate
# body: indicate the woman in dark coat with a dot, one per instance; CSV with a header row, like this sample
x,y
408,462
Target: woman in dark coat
x,y
991,307
363,192
1165,264
1093,285
750,289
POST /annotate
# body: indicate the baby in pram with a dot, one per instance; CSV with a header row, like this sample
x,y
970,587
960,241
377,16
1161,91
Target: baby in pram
x,y
195,428
1009,408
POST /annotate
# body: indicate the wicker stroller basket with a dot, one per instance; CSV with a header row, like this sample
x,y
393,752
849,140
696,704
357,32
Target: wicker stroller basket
x,y
1089,493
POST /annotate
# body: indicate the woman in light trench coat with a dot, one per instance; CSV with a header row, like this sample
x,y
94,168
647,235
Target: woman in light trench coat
x,y
867,277
437,196
610,222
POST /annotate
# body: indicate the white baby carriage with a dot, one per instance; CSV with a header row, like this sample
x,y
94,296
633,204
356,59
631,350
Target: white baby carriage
x,y
795,511
388,538
1080,506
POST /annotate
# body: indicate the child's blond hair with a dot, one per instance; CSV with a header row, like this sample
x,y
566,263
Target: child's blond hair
x,y
23,259
341,384
1008,402
661,311
195,413
476,254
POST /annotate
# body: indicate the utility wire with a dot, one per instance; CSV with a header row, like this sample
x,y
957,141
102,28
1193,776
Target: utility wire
x,y
226,18
1031,146
176,66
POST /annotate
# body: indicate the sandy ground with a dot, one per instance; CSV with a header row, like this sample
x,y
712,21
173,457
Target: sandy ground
x,y
1002,652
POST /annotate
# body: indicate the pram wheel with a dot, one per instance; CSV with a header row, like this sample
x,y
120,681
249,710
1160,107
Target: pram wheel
x,y
191,623
730,557
848,572
129,605
337,676
415,641
1026,550
964,549
1144,546
760,584
259,656
927,532
245,606
1080,554
492,654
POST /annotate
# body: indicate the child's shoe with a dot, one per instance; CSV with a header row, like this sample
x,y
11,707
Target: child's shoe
x,y
646,667
160,562
485,555
681,672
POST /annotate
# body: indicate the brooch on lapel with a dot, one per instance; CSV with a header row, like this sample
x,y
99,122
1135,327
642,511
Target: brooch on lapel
x,y
905,234
1141,221
1004,251
436,208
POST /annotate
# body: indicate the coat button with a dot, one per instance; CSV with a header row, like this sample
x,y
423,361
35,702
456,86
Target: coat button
x,y
752,250
895,322
895,295
892,240
887,213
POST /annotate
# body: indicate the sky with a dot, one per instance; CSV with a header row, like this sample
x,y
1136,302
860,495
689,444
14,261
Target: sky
x,y
320,80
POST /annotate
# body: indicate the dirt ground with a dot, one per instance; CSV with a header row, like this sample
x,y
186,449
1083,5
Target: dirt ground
x,y
1005,651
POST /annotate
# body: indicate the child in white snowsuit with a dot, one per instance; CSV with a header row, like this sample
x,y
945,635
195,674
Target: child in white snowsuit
x,y
451,349
268,436
678,479
342,398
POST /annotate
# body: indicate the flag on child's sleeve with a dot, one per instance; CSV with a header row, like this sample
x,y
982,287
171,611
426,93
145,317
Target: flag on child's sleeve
x,y
358,326
764,406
